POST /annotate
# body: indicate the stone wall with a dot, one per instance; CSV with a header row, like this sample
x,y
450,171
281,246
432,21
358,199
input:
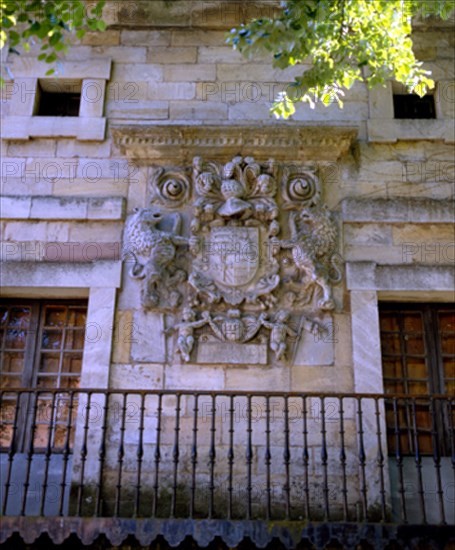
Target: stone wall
x,y
65,199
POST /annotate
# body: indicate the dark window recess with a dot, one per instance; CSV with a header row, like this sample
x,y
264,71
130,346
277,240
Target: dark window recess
x,y
413,106
418,359
41,347
59,104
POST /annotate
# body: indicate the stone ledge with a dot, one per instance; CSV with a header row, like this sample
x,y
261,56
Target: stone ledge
x,y
397,210
369,276
81,128
23,66
68,274
62,208
179,144
391,131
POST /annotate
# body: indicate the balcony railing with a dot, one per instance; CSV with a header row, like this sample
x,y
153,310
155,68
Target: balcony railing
x,y
228,455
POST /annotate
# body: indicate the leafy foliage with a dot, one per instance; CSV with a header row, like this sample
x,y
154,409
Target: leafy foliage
x,y
343,41
49,23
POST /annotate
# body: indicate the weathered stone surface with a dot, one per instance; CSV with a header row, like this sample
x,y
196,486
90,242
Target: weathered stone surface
x,y
369,276
199,377
317,349
232,354
106,38
389,131
397,210
145,38
172,55
127,376
72,275
147,345
257,378
312,378
187,73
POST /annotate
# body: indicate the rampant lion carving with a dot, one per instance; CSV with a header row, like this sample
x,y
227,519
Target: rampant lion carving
x,y
313,245
154,251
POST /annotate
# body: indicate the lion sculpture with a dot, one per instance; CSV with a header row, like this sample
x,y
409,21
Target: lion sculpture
x,y
313,245
154,252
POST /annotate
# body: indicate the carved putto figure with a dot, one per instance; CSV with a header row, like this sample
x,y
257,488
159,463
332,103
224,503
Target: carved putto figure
x,y
185,339
313,245
280,331
154,251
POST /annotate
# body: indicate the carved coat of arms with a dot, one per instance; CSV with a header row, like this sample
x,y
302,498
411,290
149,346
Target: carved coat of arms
x,y
241,253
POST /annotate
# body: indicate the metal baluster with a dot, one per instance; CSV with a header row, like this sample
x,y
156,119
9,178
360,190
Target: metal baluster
x,y
212,458
194,454
287,458
175,456
362,459
139,457
66,451
418,462
399,461
231,454
324,460
450,404
120,457
437,459
157,456
83,454
29,455
380,459
268,458
11,453
47,456
102,457
344,490
306,459
249,459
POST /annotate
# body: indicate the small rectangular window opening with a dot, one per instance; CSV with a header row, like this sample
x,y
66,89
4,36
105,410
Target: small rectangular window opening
x,y
59,98
412,106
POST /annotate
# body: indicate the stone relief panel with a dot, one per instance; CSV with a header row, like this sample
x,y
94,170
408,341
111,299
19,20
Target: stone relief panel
x,y
241,257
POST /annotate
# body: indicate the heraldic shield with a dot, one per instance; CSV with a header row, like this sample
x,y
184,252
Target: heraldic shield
x,y
233,255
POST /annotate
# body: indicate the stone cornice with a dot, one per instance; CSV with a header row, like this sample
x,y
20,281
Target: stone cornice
x,y
188,14
178,144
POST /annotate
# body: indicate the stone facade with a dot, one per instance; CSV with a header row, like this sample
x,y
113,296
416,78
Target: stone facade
x,y
165,104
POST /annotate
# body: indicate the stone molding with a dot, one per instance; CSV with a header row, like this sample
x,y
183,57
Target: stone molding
x,y
391,131
178,144
422,278
105,274
397,210
30,67
62,208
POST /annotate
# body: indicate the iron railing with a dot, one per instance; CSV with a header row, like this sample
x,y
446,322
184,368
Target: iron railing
x,y
228,455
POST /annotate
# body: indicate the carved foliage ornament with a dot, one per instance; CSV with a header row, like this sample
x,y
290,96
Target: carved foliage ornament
x,y
250,256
